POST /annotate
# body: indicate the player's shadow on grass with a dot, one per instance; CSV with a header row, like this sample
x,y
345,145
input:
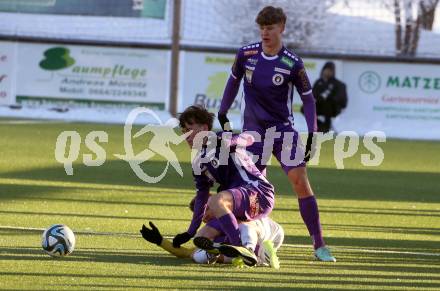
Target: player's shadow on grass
x,y
131,286
403,271
91,255
369,211
203,280
407,245
357,258
369,228
328,183
70,215
389,264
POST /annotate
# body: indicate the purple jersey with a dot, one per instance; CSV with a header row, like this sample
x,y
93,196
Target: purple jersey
x,y
268,87
239,171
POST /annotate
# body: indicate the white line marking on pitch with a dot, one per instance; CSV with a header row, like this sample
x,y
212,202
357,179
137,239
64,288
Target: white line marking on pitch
x,y
284,245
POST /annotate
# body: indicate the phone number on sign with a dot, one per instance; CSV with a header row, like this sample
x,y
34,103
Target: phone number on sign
x,y
116,92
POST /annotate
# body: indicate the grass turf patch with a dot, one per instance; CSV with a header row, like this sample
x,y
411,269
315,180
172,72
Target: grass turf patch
x,y
383,222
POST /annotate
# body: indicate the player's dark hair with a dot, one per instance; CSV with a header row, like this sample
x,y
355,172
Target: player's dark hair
x,y
196,114
271,15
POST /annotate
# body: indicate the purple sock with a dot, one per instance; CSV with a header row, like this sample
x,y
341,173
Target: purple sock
x,y
220,239
229,225
310,214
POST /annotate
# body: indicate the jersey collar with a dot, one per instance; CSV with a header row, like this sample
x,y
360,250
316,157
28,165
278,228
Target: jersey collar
x,y
270,58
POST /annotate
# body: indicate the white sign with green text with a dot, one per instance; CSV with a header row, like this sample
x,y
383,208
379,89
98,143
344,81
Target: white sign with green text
x,y
402,100
7,76
92,75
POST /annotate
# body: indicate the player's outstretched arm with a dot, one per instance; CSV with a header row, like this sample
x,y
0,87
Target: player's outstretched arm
x,y
302,84
202,185
231,90
181,238
310,115
181,252
229,94
153,236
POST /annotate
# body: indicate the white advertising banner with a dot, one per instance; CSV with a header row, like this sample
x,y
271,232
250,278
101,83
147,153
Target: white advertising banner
x,y
93,75
402,100
203,79
7,76
204,76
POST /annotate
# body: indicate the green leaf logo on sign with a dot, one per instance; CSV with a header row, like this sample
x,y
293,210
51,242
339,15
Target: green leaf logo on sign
x,y
369,82
57,58
216,85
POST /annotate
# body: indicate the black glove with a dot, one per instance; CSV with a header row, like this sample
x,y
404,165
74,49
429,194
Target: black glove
x,y
180,239
152,235
308,152
224,122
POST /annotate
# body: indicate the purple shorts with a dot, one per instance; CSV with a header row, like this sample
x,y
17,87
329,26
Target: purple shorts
x,y
252,202
285,148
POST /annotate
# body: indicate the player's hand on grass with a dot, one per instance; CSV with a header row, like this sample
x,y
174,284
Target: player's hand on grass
x,y
308,152
180,239
152,235
224,122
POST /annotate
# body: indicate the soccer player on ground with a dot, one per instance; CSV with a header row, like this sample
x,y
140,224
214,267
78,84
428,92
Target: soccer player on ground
x,y
271,71
264,236
244,193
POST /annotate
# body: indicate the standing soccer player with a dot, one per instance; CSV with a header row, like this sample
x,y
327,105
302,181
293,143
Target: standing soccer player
x,y
270,71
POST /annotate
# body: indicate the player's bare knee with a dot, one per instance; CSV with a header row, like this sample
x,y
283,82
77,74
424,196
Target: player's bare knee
x,y
299,180
296,178
213,202
222,200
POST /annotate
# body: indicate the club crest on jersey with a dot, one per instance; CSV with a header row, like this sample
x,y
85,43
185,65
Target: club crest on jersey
x,y
277,79
287,61
249,74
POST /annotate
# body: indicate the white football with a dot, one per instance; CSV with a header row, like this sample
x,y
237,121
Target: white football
x,y
58,240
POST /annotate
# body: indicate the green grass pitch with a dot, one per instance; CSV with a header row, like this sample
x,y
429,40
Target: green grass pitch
x,y
383,223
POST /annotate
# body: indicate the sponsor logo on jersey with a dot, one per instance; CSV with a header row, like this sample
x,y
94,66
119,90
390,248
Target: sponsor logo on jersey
x,y
249,75
281,70
253,61
250,68
251,53
287,61
277,79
